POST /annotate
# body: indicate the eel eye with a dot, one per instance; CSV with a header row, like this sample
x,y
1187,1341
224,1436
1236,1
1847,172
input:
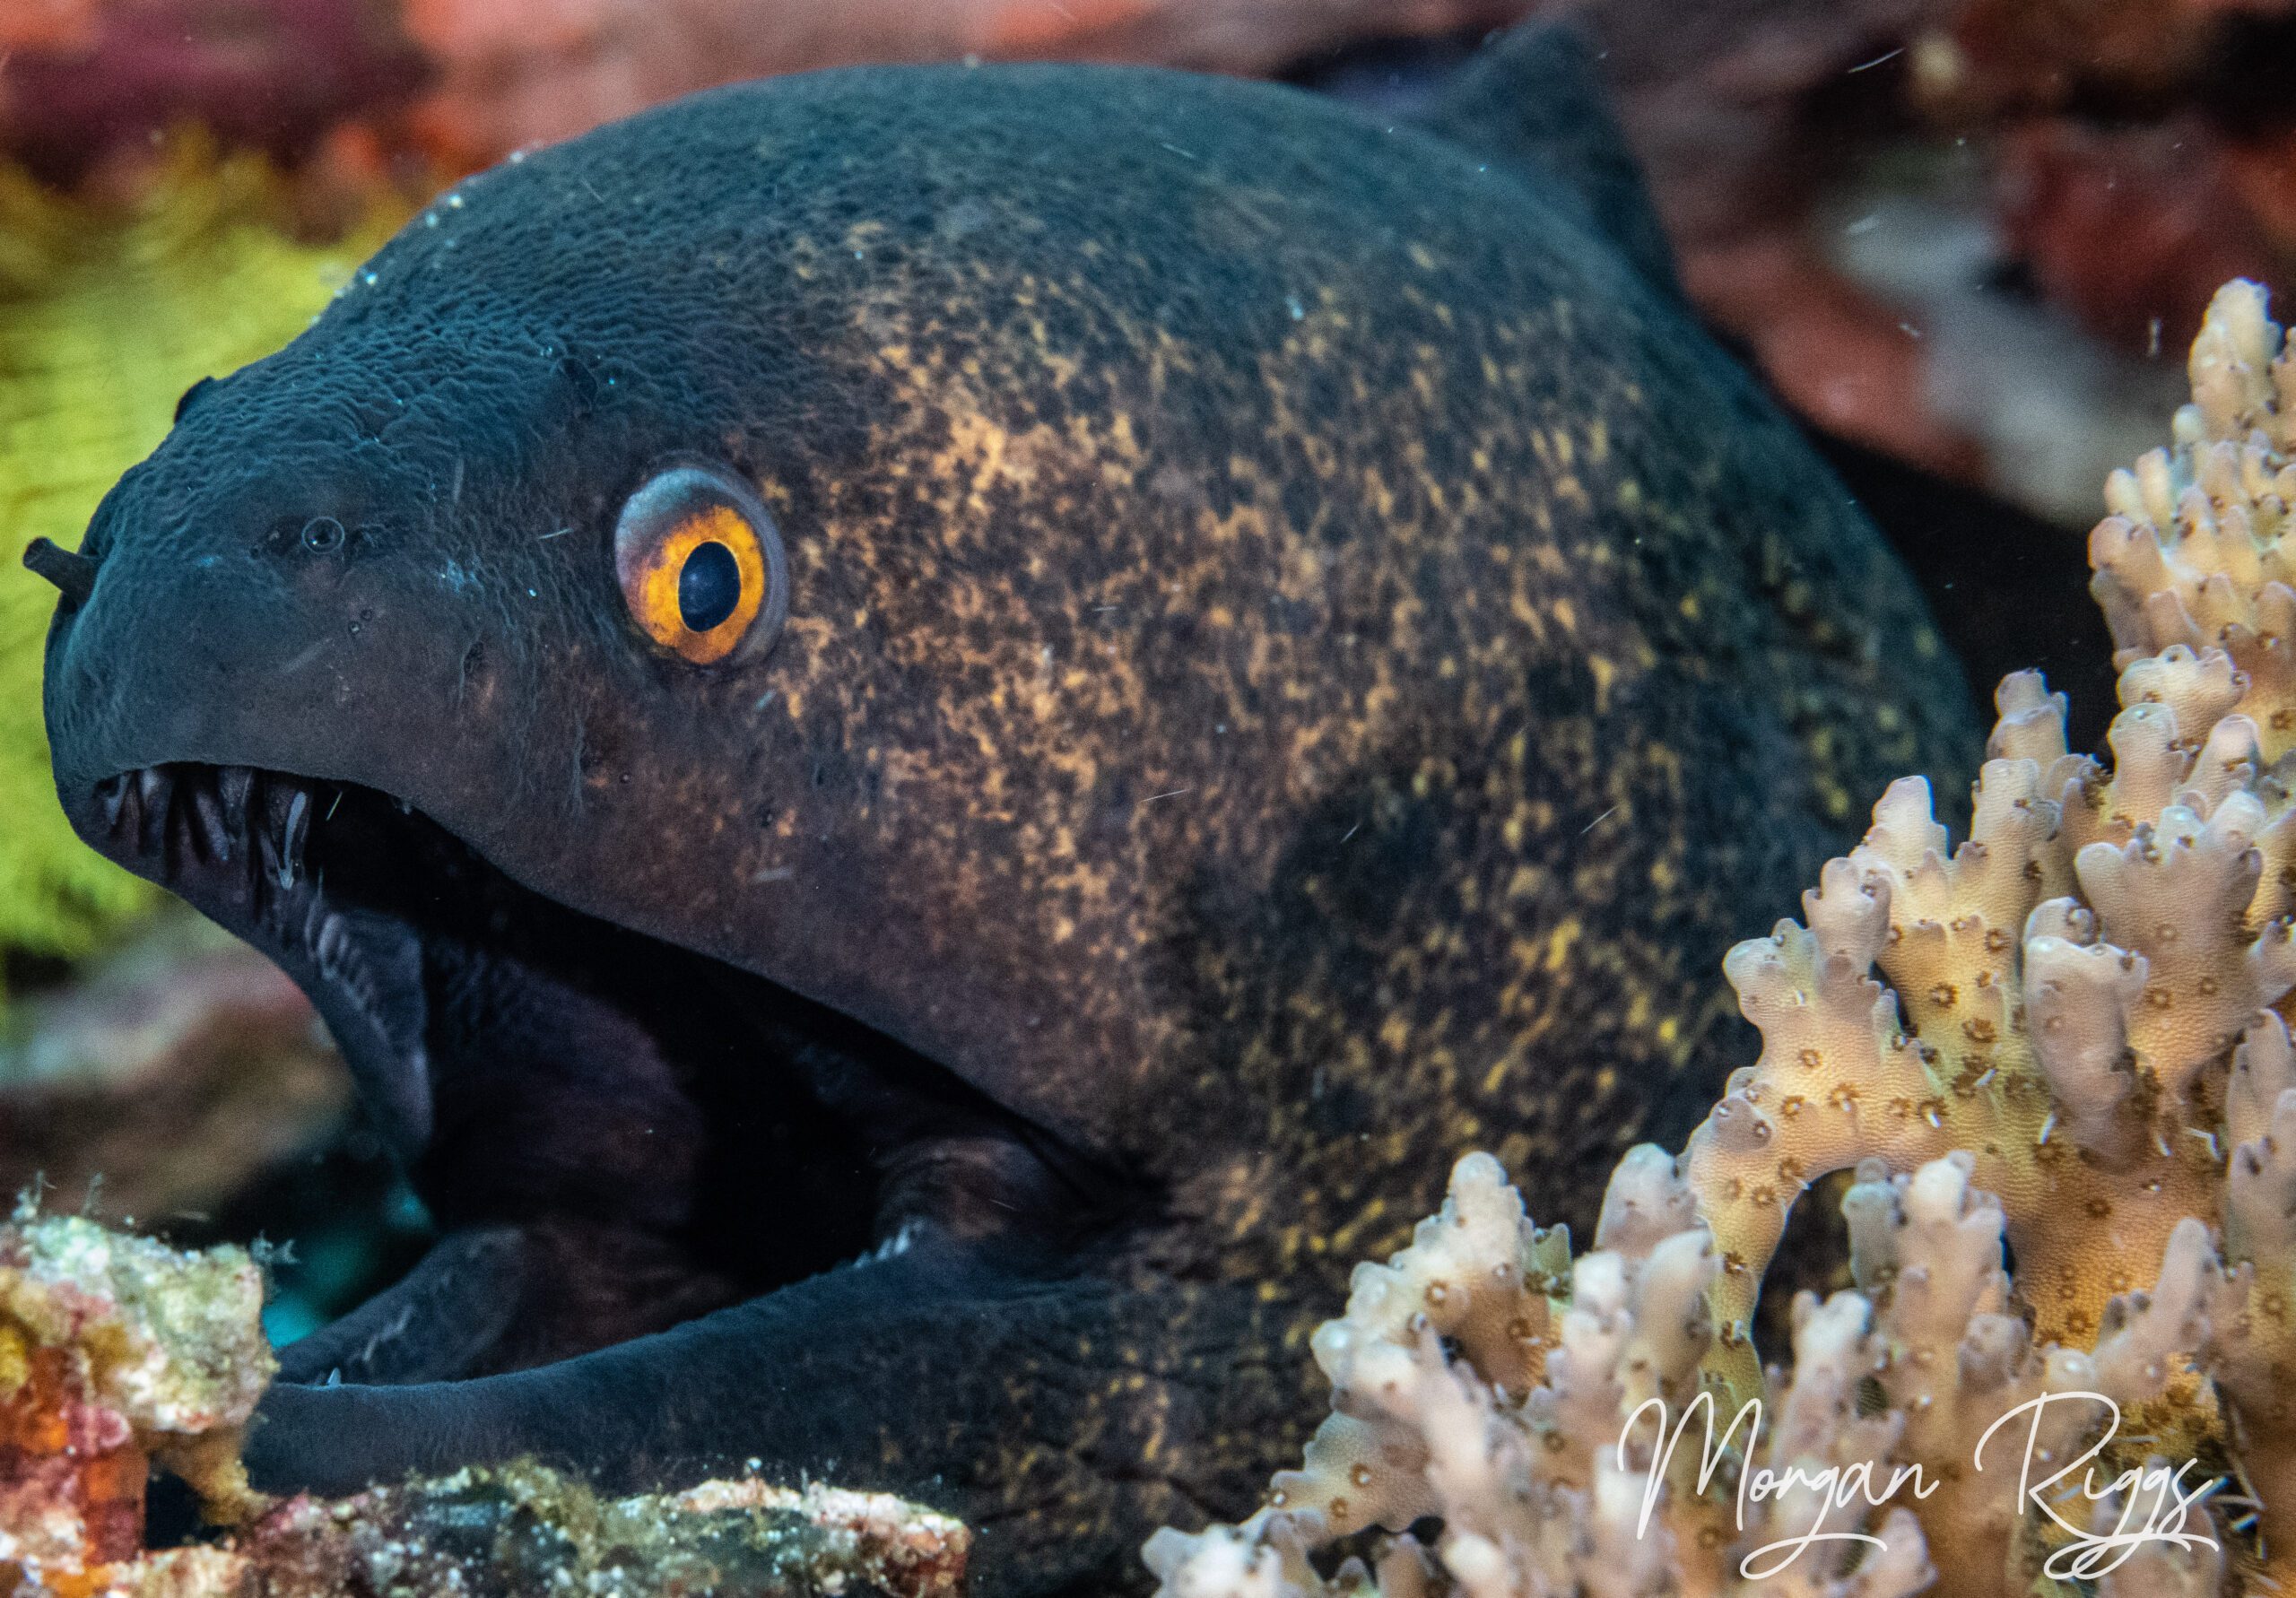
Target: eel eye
x,y
701,565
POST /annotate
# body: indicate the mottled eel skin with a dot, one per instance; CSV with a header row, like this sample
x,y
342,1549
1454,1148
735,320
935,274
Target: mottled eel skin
x,y
1298,658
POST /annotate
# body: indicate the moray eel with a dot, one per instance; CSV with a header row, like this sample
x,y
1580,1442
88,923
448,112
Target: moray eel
x,y
935,736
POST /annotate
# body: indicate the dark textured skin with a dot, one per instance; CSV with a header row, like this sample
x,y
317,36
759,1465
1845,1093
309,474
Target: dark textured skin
x,y
1301,658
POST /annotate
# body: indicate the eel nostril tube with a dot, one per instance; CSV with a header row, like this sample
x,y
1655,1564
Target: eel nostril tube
x,y
68,570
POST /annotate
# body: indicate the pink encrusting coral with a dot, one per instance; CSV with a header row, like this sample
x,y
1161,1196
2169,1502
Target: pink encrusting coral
x,y
2062,1034
115,1352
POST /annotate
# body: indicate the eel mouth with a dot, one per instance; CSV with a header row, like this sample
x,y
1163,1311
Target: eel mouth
x,y
539,1073
236,843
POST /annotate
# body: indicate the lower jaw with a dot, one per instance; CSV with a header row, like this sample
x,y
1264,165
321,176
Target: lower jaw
x,y
353,897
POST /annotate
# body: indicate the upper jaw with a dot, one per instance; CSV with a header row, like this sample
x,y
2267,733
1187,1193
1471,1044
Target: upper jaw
x,y
252,849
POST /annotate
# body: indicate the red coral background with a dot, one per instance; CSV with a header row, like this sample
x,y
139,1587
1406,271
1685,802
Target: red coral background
x,y
2118,159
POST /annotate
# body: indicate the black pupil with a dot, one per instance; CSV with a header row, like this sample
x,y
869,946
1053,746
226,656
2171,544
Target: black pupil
x,y
708,588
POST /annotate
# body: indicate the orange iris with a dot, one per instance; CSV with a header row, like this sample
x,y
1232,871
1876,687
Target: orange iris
x,y
650,570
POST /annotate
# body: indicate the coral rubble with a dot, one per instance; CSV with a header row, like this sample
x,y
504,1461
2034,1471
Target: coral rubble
x,y
2072,1044
522,1528
118,1353
115,1351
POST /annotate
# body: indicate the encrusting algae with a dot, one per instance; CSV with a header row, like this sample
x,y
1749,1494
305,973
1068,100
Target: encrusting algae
x,y
118,1353
2076,1043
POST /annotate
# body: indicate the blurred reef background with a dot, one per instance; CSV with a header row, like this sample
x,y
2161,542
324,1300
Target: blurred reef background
x,y
1967,240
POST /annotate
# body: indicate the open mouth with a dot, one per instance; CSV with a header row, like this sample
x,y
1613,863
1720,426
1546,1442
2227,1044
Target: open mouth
x,y
613,1134
236,843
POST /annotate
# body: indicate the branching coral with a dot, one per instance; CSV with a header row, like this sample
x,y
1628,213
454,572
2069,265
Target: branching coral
x,y
2061,1034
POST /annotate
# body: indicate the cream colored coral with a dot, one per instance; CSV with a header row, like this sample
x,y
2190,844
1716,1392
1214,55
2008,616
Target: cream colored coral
x,y
2252,1347
2064,1031
1553,1475
2192,553
2156,1570
1571,1486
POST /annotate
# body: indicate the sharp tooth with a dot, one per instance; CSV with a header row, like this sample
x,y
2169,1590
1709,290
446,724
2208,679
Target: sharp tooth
x,y
111,794
327,947
298,828
234,784
208,807
153,785
281,805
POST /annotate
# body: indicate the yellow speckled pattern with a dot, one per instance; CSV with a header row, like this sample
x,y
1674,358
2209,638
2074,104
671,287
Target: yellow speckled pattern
x,y
1284,762
1299,660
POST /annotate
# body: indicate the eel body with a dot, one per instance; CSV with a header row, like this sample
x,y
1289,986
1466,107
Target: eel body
x,y
936,735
